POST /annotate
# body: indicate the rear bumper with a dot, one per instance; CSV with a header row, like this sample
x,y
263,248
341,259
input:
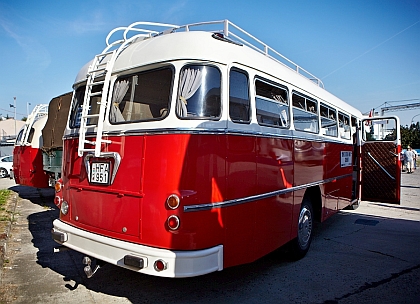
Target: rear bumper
x,y
178,263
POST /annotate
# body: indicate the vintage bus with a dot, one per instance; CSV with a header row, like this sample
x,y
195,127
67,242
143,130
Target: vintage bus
x,y
27,153
189,149
37,155
52,136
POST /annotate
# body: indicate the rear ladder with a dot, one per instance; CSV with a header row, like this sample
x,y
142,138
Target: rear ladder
x,y
101,66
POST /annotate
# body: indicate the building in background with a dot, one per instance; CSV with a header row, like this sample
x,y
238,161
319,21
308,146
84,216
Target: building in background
x,y
8,132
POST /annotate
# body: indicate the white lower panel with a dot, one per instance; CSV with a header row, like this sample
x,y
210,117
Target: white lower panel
x,y
179,263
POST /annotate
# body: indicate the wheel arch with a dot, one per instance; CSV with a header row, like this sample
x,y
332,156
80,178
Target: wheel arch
x,y
314,195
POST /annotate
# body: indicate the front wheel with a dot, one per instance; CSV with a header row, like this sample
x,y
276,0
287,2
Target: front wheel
x,y
3,173
300,245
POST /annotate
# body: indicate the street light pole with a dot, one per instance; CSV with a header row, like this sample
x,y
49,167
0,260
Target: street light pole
x,y
412,119
14,98
27,109
14,106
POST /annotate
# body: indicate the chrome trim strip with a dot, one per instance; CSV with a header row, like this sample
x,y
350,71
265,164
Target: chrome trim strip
x,y
115,155
380,166
288,134
252,198
396,155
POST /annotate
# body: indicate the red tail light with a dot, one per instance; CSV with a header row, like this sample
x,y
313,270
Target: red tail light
x,y
173,222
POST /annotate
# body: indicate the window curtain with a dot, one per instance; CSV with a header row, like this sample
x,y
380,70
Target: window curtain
x,y
120,89
190,81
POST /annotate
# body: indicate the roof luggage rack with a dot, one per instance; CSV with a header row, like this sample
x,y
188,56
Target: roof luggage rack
x,y
225,27
38,112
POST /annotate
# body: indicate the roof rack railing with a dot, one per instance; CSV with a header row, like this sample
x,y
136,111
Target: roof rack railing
x,y
38,112
229,29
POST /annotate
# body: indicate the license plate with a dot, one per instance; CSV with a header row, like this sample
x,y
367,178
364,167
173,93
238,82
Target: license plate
x,y
99,173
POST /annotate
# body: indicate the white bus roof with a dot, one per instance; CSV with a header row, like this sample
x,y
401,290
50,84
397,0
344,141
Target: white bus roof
x,y
173,45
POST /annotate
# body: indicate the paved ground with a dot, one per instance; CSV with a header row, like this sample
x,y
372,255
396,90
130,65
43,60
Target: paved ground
x,y
370,255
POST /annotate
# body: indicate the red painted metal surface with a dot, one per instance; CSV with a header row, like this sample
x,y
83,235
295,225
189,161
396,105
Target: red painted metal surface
x,y
202,169
28,167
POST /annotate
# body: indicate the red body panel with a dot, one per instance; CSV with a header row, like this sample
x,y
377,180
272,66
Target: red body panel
x,y
28,168
202,169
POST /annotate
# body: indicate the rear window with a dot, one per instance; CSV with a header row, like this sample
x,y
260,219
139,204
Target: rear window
x,y
142,96
199,93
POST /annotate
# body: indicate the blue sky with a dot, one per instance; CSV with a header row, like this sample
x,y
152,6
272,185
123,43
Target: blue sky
x,y
367,52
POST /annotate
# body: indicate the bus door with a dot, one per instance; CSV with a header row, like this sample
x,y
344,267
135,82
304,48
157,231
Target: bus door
x,y
380,161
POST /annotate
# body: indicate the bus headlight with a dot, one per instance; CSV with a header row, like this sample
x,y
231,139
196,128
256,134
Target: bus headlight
x,y
64,207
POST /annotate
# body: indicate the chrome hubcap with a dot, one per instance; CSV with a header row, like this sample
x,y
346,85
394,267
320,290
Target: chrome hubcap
x,y
305,227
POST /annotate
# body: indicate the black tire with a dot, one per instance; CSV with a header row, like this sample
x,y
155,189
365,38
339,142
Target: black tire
x,y
354,206
3,173
300,245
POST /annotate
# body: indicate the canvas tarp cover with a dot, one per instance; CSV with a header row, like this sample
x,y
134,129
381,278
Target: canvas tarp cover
x,y
58,110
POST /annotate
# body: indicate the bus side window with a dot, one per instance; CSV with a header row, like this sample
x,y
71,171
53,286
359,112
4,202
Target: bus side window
x,y
19,137
344,125
305,113
239,103
31,135
354,125
328,121
378,129
272,105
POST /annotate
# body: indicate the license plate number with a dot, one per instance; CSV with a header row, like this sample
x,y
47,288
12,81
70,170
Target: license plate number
x,y
99,173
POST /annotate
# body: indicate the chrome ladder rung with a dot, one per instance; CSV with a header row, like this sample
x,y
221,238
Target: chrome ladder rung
x,y
95,94
95,83
90,115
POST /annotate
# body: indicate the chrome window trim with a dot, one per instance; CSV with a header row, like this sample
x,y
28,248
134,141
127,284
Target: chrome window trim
x,y
285,134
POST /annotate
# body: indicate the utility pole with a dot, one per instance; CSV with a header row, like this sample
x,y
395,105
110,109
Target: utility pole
x,y
14,106
14,98
27,109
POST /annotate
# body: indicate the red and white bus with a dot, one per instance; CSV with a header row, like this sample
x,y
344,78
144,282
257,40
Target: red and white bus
x,y
192,149
27,154
37,155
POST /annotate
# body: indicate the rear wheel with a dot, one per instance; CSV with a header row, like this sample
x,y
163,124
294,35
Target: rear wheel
x,y
3,173
354,206
300,245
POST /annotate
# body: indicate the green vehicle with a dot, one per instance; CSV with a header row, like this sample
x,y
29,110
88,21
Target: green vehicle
x,y
52,134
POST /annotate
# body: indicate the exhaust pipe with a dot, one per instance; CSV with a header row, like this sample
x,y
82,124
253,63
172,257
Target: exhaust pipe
x,y
90,269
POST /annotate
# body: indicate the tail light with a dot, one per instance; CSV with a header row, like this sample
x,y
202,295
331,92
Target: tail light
x,y
160,265
58,185
59,195
173,222
173,201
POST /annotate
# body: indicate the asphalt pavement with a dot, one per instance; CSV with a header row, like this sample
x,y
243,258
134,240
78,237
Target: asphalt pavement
x,y
368,255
